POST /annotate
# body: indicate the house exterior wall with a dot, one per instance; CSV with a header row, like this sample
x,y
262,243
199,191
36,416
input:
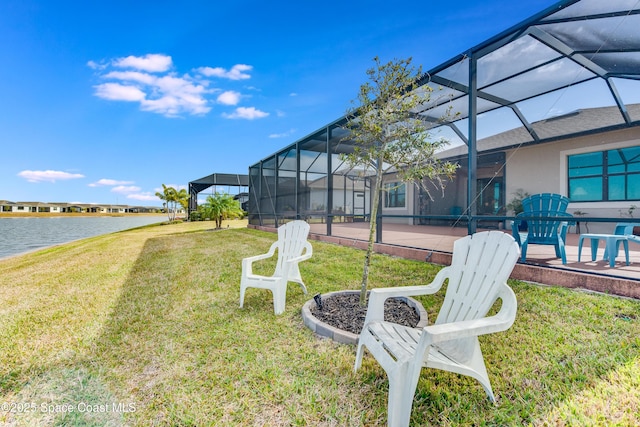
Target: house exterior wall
x,y
408,209
543,169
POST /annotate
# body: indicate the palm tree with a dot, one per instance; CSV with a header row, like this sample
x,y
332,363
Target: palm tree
x,y
182,198
221,206
172,198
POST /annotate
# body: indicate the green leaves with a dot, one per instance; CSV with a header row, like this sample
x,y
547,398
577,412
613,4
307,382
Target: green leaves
x,y
390,138
386,126
172,198
221,206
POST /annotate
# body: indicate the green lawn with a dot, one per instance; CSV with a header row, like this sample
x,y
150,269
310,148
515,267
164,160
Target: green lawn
x,y
143,328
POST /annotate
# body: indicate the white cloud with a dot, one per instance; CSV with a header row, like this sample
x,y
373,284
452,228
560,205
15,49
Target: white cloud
x,y
151,62
237,72
168,95
132,76
146,196
173,106
48,176
229,97
119,92
150,82
283,134
124,189
95,65
248,113
293,94
109,182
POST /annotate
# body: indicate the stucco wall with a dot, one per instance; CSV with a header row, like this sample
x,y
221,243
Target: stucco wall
x,y
543,169
407,210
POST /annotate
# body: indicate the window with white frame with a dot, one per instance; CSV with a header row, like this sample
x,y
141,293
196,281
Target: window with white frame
x,y
612,175
395,195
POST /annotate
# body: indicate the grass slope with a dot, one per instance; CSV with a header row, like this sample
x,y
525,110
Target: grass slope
x,y
143,328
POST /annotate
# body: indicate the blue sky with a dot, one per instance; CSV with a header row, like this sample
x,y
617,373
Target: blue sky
x,y
103,102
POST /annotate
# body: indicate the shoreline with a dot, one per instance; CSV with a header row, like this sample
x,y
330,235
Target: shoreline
x,y
74,214
54,229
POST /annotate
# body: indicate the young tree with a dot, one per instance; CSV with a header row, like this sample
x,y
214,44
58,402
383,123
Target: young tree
x,y
389,137
221,206
172,198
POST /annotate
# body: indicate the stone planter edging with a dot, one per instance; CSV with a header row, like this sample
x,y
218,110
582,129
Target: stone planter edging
x,y
346,337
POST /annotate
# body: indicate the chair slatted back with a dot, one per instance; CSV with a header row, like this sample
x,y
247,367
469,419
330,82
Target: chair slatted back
x,y
481,265
545,202
292,238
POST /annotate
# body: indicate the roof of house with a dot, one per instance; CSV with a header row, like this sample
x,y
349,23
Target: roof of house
x,y
575,123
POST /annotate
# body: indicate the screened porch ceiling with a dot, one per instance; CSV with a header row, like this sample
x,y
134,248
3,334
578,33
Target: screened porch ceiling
x,y
570,70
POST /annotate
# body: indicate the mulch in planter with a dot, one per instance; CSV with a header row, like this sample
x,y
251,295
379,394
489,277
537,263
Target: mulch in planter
x,y
343,311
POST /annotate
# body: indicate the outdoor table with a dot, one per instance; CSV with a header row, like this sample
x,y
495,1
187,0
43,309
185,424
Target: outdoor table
x,y
612,242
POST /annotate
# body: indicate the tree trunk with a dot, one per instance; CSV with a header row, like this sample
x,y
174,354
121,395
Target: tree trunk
x,y
372,229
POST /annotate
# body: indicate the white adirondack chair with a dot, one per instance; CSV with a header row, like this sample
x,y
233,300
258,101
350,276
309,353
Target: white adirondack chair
x,y
477,277
291,243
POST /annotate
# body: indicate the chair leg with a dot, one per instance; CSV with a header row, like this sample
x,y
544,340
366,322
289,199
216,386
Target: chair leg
x,y
487,388
299,282
304,288
279,298
402,389
612,251
523,251
478,370
359,355
243,288
563,253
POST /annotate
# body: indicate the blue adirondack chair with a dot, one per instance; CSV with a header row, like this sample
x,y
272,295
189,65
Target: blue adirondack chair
x,y
547,223
545,202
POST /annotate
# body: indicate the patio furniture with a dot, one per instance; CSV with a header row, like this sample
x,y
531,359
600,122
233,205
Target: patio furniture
x,y
293,247
546,223
633,238
477,277
629,229
612,243
545,202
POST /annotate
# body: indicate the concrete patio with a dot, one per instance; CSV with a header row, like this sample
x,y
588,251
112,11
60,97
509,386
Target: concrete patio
x,y
435,244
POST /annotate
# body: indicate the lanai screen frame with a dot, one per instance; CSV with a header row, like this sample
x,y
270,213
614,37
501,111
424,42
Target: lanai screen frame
x,y
225,179
568,48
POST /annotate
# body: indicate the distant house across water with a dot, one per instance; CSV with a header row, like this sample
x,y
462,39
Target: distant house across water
x,y
7,206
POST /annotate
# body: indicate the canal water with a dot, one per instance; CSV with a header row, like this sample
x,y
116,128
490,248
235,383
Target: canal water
x,y
25,234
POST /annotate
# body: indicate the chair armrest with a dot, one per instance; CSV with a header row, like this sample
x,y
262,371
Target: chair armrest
x,y
499,322
293,261
305,256
515,231
377,297
247,262
633,238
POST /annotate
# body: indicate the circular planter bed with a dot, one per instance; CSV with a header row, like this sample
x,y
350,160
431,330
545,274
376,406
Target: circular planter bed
x,y
403,310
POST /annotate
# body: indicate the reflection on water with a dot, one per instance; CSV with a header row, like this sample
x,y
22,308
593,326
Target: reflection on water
x,y
24,234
